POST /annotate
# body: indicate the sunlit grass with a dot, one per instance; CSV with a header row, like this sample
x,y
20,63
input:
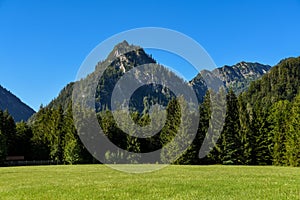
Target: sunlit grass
x,y
172,182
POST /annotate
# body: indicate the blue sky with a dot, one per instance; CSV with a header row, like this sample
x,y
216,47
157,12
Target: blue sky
x,y
43,43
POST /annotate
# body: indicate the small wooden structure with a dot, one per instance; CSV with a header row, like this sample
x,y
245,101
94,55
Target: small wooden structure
x,y
14,158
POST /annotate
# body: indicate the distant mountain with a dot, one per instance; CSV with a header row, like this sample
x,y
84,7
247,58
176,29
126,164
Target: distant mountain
x,y
19,110
121,59
200,86
260,87
125,57
239,76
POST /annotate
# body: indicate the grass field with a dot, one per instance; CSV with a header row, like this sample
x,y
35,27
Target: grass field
x,y
173,182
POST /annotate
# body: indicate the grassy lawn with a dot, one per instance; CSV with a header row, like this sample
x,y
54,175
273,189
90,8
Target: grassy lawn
x,y
173,182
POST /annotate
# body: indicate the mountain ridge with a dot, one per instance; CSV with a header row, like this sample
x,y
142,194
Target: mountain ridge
x,y
13,104
125,56
252,136
239,76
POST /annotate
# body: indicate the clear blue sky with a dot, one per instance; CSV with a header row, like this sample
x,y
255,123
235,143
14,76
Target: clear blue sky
x,y
43,43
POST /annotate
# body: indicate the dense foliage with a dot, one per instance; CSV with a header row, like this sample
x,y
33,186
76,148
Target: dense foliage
x,y
262,127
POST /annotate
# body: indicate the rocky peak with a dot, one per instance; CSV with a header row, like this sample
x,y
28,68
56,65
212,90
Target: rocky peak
x,y
120,49
238,76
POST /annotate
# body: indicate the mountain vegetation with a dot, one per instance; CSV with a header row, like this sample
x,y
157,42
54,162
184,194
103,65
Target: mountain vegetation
x,y
261,125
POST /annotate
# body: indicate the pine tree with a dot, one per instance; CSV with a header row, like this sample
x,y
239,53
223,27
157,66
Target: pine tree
x,y
216,125
3,148
71,144
247,138
56,135
279,119
231,146
262,137
8,128
133,146
179,134
23,140
169,131
192,153
41,130
293,137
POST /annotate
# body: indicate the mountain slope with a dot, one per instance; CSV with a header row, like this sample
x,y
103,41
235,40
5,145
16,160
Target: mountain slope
x,y
281,83
19,110
124,57
239,76
199,86
257,137
269,112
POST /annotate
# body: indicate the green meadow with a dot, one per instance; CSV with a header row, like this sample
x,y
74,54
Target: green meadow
x,y
172,182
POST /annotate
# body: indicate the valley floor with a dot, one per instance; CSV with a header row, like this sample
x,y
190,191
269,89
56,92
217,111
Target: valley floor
x,y
172,182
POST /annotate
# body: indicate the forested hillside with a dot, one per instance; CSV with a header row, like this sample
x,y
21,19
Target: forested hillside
x,y
261,125
269,116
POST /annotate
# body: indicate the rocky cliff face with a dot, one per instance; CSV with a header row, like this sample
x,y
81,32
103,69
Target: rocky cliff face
x,y
239,76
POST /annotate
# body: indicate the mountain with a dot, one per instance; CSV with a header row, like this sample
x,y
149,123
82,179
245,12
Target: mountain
x,y
125,57
199,86
270,115
281,83
265,115
239,76
121,59
19,110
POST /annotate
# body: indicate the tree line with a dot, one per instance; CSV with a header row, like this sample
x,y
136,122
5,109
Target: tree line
x,y
261,127
248,137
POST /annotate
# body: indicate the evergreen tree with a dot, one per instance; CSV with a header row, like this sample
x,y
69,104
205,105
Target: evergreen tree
x,y
231,146
132,143
23,140
216,125
8,127
263,141
133,146
179,135
262,125
41,130
56,135
247,138
71,144
3,148
279,120
293,137
169,131
192,153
